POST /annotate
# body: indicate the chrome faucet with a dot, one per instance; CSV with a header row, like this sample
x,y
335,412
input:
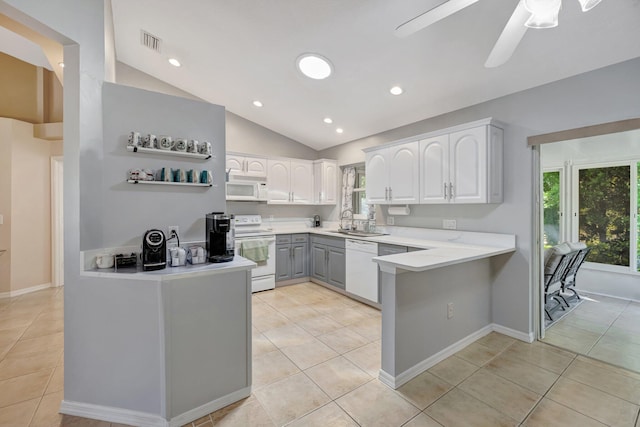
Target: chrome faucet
x,y
343,216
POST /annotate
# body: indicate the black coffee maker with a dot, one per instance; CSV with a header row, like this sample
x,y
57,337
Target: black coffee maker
x,y
220,237
154,250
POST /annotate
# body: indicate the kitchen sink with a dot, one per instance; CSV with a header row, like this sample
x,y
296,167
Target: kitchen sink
x,y
358,233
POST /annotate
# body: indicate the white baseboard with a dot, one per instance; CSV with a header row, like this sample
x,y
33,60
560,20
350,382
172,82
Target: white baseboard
x,y
19,292
144,419
417,369
111,414
210,407
522,336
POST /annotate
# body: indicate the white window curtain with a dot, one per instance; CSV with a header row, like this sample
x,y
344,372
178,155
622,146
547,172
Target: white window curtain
x,y
348,180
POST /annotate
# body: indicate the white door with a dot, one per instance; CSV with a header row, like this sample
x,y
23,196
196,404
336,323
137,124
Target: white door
x,y
279,182
377,173
302,182
256,166
468,174
236,164
434,170
404,174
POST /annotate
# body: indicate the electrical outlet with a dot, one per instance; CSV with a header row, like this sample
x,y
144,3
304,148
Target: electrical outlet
x,y
449,224
173,228
390,220
450,310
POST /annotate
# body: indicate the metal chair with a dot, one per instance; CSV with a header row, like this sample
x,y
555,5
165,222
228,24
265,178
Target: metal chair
x,y
558,264
569,279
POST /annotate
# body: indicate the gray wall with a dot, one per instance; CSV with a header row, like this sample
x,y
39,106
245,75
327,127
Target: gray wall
x,y
600,96
242,135
129,210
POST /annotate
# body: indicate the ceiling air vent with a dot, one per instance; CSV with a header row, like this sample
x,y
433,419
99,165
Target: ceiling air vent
x,y
150,41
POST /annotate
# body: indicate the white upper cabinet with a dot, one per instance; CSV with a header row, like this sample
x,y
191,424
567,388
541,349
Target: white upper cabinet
x,y
325,178
377,173
404,175
393,174
290,181
434,170
245,165
462,167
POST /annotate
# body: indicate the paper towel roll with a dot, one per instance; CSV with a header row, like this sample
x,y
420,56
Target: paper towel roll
x,y
399,210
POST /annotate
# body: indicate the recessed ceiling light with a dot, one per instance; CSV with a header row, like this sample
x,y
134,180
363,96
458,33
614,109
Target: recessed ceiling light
x,y
174,62
396,90
61,64
314,66
339,130
328,120
257,103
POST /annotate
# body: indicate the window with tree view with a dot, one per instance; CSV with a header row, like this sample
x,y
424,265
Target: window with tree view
x,y
604,200
551,194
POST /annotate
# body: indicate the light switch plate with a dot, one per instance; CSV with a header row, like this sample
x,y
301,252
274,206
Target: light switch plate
x,y
449,224
1,219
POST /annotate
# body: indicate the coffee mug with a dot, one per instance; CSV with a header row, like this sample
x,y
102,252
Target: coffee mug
x,y
165,142
206,177
180,145
105,261
164,174
150,141
192,146
134,139
195,176
179,175
205,148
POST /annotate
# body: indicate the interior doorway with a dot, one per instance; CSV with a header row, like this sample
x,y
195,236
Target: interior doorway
x,y
588,191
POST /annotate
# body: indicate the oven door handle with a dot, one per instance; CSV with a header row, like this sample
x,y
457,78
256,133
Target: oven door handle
x,y
267,239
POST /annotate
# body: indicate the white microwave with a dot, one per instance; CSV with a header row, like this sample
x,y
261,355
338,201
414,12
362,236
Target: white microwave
x,y
249,190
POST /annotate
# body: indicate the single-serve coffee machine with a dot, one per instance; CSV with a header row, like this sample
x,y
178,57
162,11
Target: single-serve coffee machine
x,y
154,250
220,237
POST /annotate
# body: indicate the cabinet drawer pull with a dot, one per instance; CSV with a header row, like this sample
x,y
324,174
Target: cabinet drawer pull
x,y
451,190
445,190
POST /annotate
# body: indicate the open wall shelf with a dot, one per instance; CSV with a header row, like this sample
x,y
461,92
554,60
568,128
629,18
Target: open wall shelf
x,y
188,184
135,149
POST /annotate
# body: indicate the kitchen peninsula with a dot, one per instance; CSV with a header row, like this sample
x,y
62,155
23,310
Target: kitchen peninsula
x,y
160,348
435,302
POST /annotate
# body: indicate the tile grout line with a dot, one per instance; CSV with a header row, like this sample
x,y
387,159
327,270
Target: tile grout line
x,y
608,328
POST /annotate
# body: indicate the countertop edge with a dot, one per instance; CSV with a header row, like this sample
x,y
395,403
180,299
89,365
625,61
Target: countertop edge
x,y
397,264
177,273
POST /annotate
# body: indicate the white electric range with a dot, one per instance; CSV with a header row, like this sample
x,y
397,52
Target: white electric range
x,y
251,228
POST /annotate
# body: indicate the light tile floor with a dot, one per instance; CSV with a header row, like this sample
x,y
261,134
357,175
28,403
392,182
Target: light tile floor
x,y
315,360
603,328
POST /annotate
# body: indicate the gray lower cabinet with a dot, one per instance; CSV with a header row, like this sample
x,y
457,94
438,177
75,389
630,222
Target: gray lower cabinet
x,y
328,260
385,249
292,256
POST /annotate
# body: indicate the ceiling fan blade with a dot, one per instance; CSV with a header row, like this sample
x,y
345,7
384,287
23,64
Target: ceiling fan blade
x,y
510,37
432,16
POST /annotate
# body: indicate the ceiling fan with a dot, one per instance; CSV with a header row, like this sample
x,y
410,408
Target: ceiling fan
x,y
528,14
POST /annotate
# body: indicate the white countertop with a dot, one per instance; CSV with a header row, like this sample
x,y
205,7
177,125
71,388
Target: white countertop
x,y
173,273
442,247
437,257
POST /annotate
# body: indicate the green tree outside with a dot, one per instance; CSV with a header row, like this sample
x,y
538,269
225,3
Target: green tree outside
x,y
604,199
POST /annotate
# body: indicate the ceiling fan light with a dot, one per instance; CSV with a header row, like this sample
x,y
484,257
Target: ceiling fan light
x,y
587,5
544,13
542,21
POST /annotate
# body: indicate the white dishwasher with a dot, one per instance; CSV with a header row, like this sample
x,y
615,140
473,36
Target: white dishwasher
x,y
361,272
